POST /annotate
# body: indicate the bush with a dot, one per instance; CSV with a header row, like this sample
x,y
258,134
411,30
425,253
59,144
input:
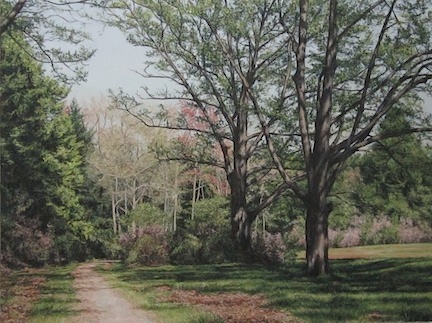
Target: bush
x,y
205,238
68,247
186,250
144,215
23,243
411,232
379,230
269,248
145,246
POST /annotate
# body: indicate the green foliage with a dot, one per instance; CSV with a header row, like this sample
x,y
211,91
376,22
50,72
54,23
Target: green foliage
x,y
206,237
145,214
145,246
45,184
186,249
50,36
395,174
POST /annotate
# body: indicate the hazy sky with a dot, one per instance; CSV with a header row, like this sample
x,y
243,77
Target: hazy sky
x,y
113,65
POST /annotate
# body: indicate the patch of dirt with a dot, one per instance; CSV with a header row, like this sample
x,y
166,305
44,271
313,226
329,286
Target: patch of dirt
x,y
231,307
101,303
23,290
375,317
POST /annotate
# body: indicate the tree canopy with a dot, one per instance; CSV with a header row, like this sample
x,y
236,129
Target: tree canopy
x,y
43,164
305,83
50,30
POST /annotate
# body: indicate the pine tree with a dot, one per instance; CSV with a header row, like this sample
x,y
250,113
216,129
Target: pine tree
x,y
43,162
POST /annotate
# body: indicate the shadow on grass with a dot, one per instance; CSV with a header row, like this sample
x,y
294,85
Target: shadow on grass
x,y
367,290
57,300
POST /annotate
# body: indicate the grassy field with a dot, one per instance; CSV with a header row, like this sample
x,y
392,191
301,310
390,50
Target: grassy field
x,y
375,283
414,250
393,284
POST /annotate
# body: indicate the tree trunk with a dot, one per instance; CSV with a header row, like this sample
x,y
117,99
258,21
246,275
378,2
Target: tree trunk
x,y
194,191
317,243
241,220
241,226
114,213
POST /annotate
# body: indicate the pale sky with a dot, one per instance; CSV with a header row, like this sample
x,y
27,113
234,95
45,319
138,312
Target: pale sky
x,y
113,65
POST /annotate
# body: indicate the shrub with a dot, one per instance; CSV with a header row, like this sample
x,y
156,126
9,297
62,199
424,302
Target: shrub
x,y
206,237
379,230
411,232
145,246
350,237
69,247
25,244
144,215
186,250
269,248
334,236
297,233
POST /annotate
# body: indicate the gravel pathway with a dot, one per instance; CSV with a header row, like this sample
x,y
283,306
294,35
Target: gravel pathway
x,y
99,302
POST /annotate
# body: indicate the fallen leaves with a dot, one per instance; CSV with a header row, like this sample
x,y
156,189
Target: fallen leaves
x,y
20,290
231,307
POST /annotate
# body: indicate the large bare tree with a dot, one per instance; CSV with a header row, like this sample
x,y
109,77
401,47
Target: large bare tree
x,y
225,68
304,84
374,56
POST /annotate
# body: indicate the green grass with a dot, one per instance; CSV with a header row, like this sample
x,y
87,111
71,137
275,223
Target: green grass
x,y
380,289
145,295
11,286
413,250
57,298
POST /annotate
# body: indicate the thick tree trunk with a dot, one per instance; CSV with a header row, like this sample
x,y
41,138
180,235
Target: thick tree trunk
x,y
240,219
241,223
317,242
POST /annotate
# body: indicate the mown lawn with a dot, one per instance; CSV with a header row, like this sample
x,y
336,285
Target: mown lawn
x,y
374,289
413,250
391,283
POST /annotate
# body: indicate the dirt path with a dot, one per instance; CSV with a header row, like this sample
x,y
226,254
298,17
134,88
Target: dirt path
x,y
101,303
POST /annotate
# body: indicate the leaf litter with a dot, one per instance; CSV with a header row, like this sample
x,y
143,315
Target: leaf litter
x,y
230,307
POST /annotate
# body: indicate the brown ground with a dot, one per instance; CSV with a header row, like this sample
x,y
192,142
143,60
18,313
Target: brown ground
x,y
231,307
25,291
101,303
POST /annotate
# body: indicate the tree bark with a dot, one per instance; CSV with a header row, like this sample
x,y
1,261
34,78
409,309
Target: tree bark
x,y
318,207
114,214
241,220
317,212
10,18
240,223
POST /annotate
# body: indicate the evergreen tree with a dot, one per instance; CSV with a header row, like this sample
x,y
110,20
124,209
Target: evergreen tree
x,y
43,163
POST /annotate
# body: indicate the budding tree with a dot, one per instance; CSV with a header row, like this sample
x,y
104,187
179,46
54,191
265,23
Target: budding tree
x,y
297,88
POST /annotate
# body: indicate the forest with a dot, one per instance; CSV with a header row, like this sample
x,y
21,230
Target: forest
x,y
302,126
